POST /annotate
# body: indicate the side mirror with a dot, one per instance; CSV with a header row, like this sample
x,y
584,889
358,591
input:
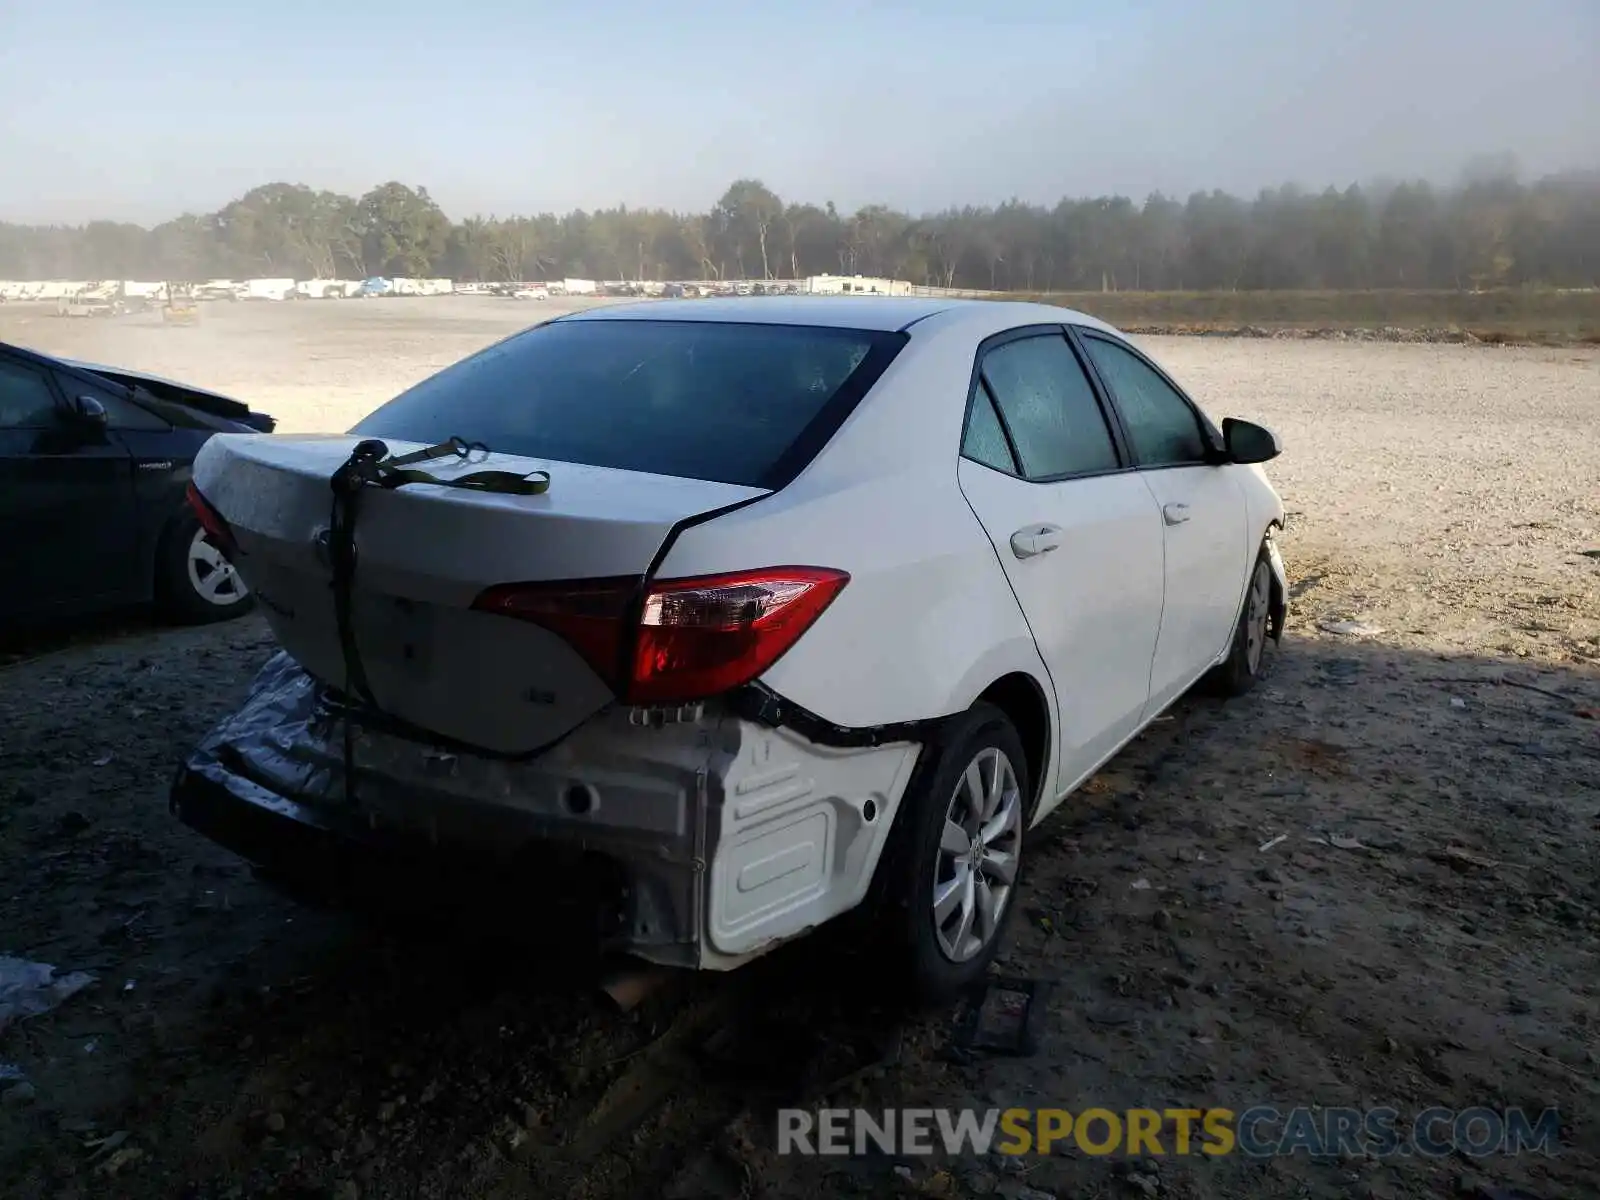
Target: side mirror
x,y
90,412
1248,442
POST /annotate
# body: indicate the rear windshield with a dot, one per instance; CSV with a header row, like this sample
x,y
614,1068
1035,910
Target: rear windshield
x,y
735,403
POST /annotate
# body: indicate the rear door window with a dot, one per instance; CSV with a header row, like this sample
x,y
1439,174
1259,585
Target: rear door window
x,y
1049,408
734,403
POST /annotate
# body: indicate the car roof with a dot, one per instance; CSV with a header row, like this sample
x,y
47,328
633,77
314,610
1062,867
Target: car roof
x,y
885,313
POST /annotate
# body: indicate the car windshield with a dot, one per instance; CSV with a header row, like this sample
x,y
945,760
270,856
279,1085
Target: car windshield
x,y
733,403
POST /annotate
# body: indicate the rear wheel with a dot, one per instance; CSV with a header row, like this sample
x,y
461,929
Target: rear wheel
x,y
956,863
1247,654
195,583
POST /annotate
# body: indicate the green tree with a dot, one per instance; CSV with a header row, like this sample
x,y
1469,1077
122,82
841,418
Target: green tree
x,y
742,223
1489,230
403,232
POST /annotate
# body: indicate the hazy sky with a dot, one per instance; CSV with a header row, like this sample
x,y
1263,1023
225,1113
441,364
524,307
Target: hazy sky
x,y
138,111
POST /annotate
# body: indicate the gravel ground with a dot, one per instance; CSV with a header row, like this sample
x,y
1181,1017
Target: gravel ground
x,y
1423,934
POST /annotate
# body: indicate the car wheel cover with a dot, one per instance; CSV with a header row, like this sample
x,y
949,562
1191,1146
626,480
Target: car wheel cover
x,y
980,845
211,575
1255,617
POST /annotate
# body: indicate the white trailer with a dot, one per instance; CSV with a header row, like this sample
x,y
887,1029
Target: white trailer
x,y
579,287
858,285
326,289
267,289
59,289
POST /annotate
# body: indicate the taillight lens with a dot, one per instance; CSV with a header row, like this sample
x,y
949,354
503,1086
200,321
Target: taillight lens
x,y
217,530
695,637
699,637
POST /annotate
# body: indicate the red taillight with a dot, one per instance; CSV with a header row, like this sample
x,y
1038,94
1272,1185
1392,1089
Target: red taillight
x,y
210,520
695,637
699,637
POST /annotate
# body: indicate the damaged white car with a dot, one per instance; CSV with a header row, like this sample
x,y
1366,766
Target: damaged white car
x,y
775,605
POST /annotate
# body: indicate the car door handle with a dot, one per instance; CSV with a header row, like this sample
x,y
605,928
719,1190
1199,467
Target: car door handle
x,y
1035,539
1175,514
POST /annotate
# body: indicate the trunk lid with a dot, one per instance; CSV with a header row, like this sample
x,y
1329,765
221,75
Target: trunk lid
x,y
424,553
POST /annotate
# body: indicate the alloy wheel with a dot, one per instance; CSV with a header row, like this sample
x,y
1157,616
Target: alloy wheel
x,y
1255,620
211,575
979,850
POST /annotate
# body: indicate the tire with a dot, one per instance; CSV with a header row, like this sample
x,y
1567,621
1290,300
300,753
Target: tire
x,y
195,585
933,965
1247,654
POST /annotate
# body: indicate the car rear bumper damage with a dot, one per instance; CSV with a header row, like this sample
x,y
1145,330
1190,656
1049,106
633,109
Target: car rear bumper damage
x,y
717,836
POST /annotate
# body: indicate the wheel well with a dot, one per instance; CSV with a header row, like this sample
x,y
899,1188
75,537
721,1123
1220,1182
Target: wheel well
x,y
171,529
1020,698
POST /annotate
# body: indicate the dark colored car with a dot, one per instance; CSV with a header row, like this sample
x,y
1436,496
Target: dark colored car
x,y
94,466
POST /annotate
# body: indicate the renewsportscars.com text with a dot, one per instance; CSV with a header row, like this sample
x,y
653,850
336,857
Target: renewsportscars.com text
x,y
1262,1131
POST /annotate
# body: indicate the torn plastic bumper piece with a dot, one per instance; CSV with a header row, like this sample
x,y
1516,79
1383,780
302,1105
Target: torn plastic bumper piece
x,y
1278,613
720,837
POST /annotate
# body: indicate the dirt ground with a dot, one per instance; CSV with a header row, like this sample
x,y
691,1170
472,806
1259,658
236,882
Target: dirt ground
x,y
1424,933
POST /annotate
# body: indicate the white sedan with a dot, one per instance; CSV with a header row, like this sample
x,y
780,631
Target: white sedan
x,y
783,606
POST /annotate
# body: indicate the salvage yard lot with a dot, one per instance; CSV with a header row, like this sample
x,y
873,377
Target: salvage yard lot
x,y
1424,934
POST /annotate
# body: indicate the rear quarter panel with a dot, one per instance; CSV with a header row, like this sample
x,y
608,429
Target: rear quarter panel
x,y
928,620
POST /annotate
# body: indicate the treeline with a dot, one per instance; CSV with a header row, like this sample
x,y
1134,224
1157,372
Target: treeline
x,y
1491,232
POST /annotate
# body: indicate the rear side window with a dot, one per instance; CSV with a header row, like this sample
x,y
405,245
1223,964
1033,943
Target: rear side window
x,y
744,404
985,441
1049,407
